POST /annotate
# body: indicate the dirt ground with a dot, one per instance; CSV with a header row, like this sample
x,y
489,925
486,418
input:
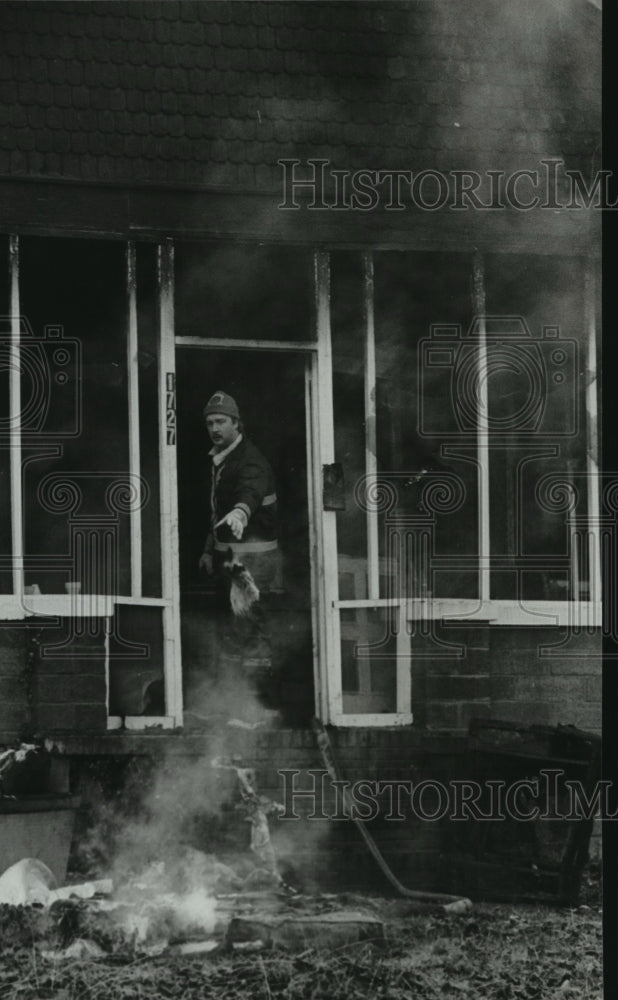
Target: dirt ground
x,y
496,952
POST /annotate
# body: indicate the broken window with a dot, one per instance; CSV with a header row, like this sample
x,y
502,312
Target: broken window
x,y
87,392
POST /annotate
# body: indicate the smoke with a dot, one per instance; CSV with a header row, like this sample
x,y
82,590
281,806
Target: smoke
x,y
448,84
518,82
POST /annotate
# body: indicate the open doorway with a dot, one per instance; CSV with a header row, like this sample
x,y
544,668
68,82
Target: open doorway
x,y
269,388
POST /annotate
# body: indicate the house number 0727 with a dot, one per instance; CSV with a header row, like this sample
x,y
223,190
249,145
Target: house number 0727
x,y
170,407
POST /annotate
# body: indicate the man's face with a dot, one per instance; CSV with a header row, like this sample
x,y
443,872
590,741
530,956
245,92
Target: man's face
x,y
223,430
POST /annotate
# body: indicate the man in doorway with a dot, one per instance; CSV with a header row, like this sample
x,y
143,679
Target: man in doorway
x,y
243,518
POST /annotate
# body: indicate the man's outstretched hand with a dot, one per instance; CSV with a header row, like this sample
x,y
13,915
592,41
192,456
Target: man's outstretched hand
x,y
235,521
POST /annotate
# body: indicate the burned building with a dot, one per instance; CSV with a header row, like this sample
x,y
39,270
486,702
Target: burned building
x,y
376,225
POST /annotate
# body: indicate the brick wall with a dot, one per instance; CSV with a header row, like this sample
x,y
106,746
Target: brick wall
x,y
14,709
451,677
529,675
322,851
497,672
51,681
543,676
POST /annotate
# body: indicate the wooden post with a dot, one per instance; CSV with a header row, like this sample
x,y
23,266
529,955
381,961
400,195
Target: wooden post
x,y
482,436
592,444
371,457
17,513
134,446
330,645
172,660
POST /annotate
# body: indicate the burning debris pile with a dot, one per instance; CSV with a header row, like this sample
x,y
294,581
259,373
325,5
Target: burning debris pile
x,y
189,902
176,920
195,906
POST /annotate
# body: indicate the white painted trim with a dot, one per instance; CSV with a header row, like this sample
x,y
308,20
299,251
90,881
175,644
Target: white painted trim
x,y
108,630
69,605
313,499
595,569
479,303
371,458
330,646
403,654
17,513
575,569
143,602
247,345
366,602
16,608
135,516
377,719
172,658
578,614
139,723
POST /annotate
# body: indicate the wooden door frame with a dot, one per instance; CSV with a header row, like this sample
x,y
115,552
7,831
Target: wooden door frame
x,y
308,350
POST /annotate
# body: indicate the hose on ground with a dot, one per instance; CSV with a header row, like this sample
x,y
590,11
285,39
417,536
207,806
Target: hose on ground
x,y
450,904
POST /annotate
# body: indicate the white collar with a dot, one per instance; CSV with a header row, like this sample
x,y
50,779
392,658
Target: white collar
x,y
220,456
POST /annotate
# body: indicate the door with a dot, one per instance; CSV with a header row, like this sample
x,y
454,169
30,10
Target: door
x,y
270,389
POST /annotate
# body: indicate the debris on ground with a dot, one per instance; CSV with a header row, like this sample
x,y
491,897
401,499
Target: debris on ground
x,y
30,881
331,930
25,883
500,952
12,759
257,809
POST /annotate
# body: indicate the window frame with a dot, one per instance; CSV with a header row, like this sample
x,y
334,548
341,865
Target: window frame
x,y
19,606
577,614
327,605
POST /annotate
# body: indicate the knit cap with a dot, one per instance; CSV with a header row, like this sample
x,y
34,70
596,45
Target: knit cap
x,y
220,402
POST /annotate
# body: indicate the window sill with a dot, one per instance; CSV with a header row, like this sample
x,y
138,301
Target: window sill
x,y
451,611
13,608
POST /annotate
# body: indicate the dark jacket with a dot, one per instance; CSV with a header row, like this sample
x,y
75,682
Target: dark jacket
x,y
245,479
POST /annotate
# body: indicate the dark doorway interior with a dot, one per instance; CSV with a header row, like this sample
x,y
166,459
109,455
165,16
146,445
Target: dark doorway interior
x,y
270,391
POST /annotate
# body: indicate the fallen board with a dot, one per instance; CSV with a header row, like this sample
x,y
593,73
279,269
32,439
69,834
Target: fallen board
x,y
327,930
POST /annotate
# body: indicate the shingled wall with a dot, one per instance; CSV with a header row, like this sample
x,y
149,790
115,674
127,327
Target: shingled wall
x,y
203,93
